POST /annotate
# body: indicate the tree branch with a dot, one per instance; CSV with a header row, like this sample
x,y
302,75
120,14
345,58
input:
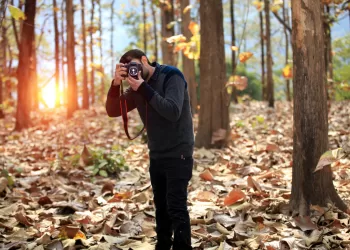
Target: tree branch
x,y
282,22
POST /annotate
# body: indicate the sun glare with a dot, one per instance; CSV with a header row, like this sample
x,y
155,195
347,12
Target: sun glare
x,y
48,94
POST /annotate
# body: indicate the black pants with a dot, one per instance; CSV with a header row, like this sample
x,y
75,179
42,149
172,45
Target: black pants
x,y
169,178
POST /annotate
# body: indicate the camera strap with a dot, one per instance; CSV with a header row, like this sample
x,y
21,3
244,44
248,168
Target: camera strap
x,y
124,112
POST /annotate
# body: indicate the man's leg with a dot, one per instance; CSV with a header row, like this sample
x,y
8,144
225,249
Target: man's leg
x,y
179,172
163,221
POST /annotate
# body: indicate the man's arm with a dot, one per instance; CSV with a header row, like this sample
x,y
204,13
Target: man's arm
x,y
113,100
169,106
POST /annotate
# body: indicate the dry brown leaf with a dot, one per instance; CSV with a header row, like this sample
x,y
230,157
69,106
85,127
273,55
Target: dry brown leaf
x,y
206,175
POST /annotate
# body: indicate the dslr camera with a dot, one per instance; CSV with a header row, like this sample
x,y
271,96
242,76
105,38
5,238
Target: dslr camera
x,y
133,69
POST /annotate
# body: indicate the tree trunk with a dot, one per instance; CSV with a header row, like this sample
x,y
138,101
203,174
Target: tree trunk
x,y
57,53
112,40
188,64
144,26
85,75
3,47
23,71
92,73
270,88
167,16
233,43
15,32
72,98
262,45
101,54
63,57
213,113
34,79
155,34
310,111
328,52
286,18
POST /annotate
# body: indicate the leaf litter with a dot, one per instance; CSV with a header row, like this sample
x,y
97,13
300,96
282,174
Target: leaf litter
x,y
51,197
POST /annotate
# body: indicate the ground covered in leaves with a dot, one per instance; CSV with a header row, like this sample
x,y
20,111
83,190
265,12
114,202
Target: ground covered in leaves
x,y
80,184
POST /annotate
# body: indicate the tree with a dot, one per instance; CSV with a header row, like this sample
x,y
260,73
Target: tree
x,y
3,47
310,139
144,26
262,45
72,98
85,75
23,71
101,54
155,33
57,53
167,16
270,88
63,54
286,35
233,43
112,38
188,64
213,123
92,73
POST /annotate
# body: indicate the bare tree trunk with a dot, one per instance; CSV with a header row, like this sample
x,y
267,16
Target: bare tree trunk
x,y
262,45
2,65
270,85
144,26
188,64
328,52
15,32
23,71
233,43
63,57
167,16
112,40
57,54
101,54
34,79
72,98
92,73
286,18
310,111
213,113
85,75
155,34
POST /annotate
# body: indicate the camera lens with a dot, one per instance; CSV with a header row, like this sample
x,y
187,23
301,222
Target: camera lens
x,y
133,71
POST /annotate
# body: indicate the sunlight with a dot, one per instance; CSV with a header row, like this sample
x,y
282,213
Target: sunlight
x,y
48,95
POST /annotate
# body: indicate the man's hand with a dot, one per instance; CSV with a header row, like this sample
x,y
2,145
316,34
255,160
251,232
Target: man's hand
x,y
135,83
119,75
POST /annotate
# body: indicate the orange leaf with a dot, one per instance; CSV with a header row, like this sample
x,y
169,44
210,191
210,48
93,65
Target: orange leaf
x,y
234,196
244,56
259,5
272,148
193,27
120,196
79,235
206,196
206,175
287,72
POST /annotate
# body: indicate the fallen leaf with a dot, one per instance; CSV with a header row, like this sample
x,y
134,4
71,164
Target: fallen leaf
x,y
206,175
3,183
234,196
304,223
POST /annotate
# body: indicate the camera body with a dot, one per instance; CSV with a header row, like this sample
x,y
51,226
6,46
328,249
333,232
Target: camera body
x,y
133,69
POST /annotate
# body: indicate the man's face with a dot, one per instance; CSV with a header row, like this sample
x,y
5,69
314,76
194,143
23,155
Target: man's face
x,y
145,71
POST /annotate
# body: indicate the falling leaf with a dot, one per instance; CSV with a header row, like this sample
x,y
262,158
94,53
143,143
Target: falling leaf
x,y
16,13
187,8
193,27
206,175
259,5
244,56
56,9
234,48
177,38
328,158
275,8
234,196
170,25
239,82
287,72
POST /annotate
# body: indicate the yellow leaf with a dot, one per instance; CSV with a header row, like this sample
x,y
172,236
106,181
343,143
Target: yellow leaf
x,y
187,8
16,13
79,235
259,5
275,8
287,72
56,9
177,38
244,56
194,28
170,25
234,48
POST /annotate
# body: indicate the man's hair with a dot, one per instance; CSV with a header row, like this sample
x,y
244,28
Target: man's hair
x,y
133,54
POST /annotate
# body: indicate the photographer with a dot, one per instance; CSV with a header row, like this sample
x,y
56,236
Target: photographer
x,y
161,97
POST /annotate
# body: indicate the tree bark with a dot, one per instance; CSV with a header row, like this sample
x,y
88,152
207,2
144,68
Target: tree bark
x,y
72,98
167,16
144,26
23,71
188,64
262,45
3,65
213,113
328,51
155,34
101,54
92,73
63,57
34,79
57,54
310,139
270,85
286,18
112,40
233,43
85,74
15,32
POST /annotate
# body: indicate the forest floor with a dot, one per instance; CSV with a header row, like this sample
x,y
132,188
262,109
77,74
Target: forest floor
x,y
56,193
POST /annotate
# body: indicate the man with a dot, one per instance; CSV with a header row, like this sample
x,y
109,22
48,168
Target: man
x,y
161,98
